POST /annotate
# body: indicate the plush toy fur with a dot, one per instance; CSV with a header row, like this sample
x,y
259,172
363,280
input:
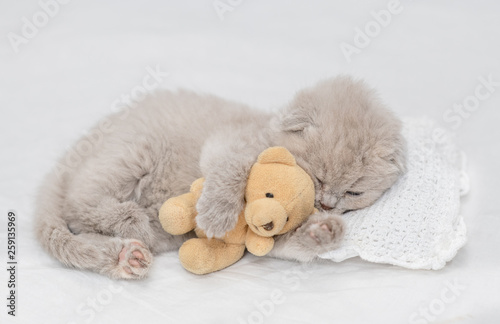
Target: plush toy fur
x,y
279,197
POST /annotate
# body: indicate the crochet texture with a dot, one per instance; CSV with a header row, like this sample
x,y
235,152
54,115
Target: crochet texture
x,y
416,224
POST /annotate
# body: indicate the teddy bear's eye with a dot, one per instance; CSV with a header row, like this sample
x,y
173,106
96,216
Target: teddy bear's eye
x,y
269,195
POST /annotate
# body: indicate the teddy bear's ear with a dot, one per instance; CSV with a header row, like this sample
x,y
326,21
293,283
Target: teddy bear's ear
x,y
277,154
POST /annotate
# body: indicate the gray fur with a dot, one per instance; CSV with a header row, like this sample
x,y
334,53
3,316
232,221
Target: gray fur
x,y
101,212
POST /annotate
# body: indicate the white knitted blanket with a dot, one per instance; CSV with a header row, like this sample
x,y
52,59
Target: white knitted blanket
x,y
416,224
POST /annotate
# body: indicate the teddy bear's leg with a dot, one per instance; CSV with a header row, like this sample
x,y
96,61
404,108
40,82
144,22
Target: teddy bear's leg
x,y
177,215
202,256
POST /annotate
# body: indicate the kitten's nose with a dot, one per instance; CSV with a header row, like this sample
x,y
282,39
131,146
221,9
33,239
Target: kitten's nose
x,y
325,207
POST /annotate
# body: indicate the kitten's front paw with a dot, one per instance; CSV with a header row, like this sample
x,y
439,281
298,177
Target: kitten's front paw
x,y
217,216
322,232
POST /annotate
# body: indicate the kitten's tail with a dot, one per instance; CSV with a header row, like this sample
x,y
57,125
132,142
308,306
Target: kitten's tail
x,y
84,251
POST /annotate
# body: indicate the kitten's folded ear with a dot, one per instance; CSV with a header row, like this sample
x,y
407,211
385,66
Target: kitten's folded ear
x,y
299,114
392,149
396,155
399,157
296,117
294,122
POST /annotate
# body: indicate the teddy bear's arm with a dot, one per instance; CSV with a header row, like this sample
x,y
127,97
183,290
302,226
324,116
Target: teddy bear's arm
x,y
258,245
177,214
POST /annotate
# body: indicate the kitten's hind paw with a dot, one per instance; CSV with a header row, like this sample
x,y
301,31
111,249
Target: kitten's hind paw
x,y
134,260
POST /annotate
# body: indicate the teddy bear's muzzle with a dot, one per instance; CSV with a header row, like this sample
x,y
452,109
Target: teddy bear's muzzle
x,y
265,217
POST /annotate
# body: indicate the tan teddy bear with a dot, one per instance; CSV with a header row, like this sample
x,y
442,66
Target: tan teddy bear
x,y
279,197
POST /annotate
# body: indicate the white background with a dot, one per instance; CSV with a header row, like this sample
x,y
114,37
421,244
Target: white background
x,y
68,75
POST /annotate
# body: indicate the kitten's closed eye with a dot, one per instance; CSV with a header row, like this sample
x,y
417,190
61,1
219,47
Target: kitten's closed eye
x,y
353,193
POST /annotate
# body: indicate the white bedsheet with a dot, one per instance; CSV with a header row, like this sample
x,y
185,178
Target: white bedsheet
x,y
426,60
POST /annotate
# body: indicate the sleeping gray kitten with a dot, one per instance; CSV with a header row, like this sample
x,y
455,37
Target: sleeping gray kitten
x,y
100,211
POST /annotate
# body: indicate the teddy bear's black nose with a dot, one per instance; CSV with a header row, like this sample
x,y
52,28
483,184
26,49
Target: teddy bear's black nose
x,y
269,226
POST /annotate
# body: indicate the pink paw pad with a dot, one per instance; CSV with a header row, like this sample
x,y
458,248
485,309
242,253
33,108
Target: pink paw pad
x,y
134,260
321,232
